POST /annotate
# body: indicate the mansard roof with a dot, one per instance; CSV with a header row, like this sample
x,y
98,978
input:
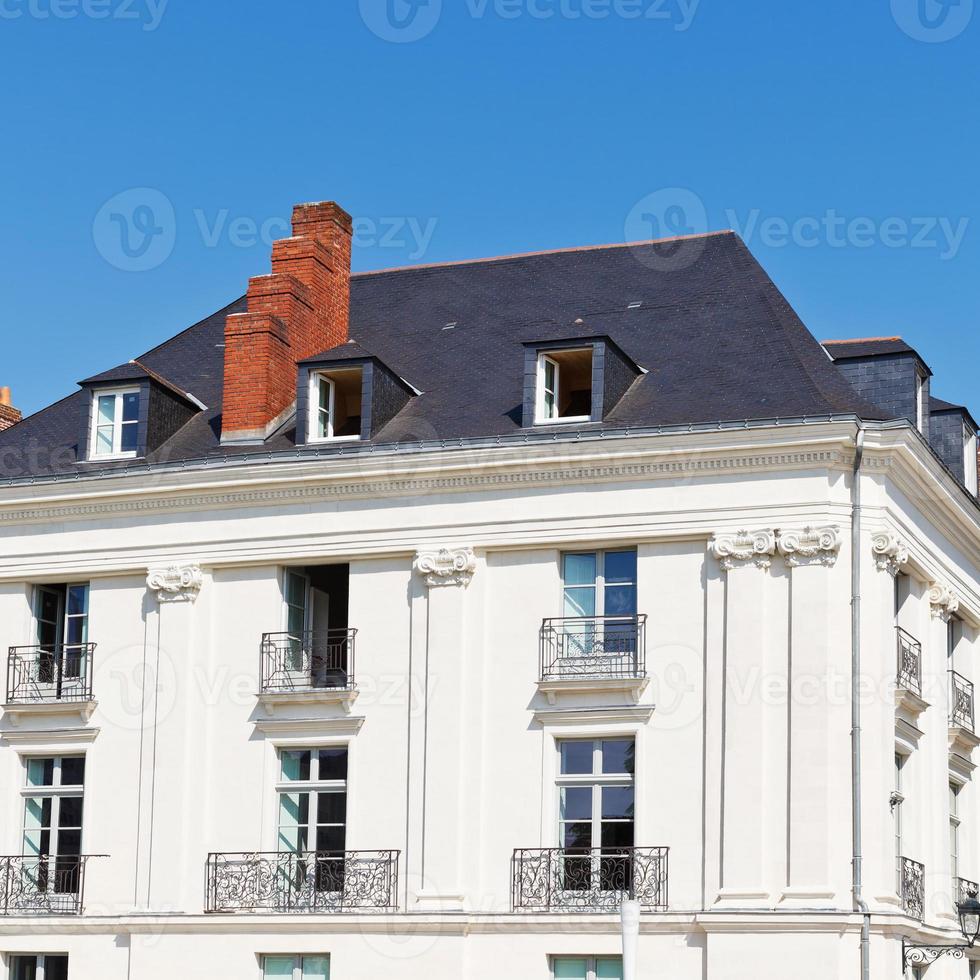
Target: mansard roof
x,y
717,339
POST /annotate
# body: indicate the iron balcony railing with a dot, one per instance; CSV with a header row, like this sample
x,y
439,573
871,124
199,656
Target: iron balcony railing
x,y
909,663
318,660
310,882
589,880
597,646
42,674
913,880
964,890
961,710
42,885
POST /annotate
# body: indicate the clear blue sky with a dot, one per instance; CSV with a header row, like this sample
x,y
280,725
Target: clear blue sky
x,y
502,129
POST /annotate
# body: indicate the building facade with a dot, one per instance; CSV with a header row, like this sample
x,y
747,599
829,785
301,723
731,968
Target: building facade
x,y
405,624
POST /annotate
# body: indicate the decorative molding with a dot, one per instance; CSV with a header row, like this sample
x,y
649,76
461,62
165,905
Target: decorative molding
x,y
944,601
446,566
626,714
811,546
743,548
175,583
31,740
890,551
310,729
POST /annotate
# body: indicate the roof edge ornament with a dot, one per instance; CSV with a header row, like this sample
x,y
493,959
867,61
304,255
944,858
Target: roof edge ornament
x,y
175,583
890,551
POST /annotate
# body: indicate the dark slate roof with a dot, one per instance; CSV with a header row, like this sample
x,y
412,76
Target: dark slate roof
x,y
938,407
719,342
846,350
351,351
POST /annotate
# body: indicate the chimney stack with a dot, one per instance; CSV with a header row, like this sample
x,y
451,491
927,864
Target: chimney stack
x,y
9,416
299,310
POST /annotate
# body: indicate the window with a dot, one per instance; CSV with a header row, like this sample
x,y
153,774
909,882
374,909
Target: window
x,y
313,812
46,967
296,968
564,386
59,667
954,835
970,461
600,583
53,821
335,405
587,968
115,426
595,813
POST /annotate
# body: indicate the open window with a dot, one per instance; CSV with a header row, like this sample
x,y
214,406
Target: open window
x,y
564,388
335,404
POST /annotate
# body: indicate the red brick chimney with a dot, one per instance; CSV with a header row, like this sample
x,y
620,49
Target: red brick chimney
x,y
8,414
299,310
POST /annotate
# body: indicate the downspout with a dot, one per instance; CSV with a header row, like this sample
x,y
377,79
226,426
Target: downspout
x,y
856,864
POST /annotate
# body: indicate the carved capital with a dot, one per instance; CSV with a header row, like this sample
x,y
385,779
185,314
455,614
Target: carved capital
x,y
889,551
446,566
943,600
811,546
175,583
743,548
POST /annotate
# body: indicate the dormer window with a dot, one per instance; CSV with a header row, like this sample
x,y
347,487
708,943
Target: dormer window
x,y
564,390
335,405
115,423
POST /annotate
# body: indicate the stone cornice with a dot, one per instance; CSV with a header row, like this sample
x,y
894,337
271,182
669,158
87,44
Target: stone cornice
x,y
743,548
890,552
446,566
811,546
175,583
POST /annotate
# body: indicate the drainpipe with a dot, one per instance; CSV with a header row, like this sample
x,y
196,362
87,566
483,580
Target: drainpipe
x,y
630,915
856,865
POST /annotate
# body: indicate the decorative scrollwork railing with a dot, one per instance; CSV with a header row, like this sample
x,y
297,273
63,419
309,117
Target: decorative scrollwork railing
x,y
597,646
311,882
964,890
913,888
961,710
40,674
589,880
321,660
909,663
43,885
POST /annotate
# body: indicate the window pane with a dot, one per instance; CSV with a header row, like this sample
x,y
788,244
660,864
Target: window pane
x,y
55,968
620,600
580,569
73,771
331,808
568,969
316,968
620,566
609,969
331,839
576,758
130,432
333,764
37,813
107,410
69,842
617,802
580,602
617,835
576,803
40,772
577,836
617,756
23,968
103,442
70,814
131,407
77,600
296,766
279,966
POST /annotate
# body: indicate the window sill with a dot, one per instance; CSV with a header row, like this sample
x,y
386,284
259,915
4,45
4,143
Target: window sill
x,y
555,686
332,439
569,420
345,697
111,458
32,709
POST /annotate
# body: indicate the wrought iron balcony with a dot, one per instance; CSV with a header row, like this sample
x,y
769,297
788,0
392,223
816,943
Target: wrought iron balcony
x,y
309,882
964,890
589,880
320,660
961,711
45,885
45,674
593,647
913,881
909,663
